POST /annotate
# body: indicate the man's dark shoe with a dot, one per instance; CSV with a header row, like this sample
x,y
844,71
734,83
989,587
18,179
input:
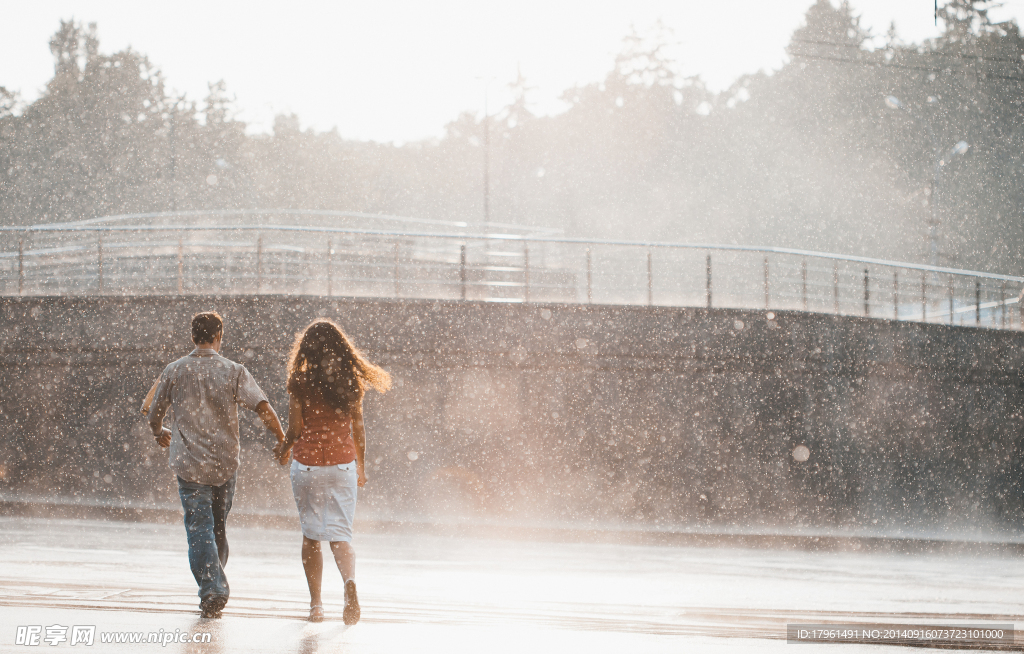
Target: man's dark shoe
x,y
351,613
211,607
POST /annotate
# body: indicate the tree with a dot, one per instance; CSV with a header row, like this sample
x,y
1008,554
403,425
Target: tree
x,y
89,143
807,156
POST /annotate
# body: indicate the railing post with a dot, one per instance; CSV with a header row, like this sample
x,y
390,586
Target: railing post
x,y
867,294
259,264
462,270
951,299
181,266
330,265
21,267
1020,310
895,295
977,302
835,288
766,287
1002,305
924,296
99,255
707,268
398,290
590,280
526,273
803,282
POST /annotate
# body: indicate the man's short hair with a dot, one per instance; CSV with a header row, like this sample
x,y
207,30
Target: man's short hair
x,y
206,327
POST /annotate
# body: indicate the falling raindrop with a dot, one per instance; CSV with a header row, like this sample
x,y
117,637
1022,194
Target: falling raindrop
x,y
801,453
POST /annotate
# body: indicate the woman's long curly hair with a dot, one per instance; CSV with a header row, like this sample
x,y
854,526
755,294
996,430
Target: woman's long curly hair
x,y
324,364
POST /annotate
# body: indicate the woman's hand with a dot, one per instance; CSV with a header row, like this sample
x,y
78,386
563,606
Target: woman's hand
x,y
362,475
283,452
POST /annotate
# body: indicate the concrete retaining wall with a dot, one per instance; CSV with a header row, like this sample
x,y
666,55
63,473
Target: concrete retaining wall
x,y
664,418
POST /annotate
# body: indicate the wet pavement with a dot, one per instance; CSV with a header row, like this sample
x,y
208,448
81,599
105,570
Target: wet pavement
x,y
429,593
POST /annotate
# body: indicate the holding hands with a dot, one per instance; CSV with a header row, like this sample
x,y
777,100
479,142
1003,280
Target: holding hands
x,y
283,452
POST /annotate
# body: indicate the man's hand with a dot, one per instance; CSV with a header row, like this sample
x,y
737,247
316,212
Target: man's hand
x,y
283,452
164,439
362,475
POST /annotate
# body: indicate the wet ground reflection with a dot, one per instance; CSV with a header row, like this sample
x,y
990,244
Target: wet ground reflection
x,y
430,593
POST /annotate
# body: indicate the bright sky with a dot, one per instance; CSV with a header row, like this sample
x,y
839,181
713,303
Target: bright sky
x,y
399,70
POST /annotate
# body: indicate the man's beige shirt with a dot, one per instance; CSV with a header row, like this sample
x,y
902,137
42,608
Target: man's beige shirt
x,y
204,389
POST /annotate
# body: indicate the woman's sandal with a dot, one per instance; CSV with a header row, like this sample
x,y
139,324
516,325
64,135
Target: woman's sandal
x,y
316,613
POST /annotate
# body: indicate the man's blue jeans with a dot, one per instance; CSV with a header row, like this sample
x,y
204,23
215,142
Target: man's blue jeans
x,y
206,513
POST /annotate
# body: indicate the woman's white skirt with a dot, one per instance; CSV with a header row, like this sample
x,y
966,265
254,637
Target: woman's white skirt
x,y
326,499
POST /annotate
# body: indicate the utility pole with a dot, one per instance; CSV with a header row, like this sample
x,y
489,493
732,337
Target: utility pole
x,y
174,192
941,160
174,158
487,147
487,158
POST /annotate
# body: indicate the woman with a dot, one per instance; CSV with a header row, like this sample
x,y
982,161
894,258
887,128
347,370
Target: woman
x,y
327,377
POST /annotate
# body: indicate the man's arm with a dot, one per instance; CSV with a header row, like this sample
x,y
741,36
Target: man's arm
x,y
269,418
158,409
149,397
294,430
359,437
249,395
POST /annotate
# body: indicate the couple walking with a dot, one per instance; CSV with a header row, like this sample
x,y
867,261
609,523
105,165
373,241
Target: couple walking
x,y
327,378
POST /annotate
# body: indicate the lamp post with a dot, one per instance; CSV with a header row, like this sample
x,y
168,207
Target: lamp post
x,y
940,162
173,119
487,160
487,149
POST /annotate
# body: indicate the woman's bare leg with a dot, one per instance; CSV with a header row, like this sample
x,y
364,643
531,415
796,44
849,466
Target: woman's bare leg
x,y
313,564
345,557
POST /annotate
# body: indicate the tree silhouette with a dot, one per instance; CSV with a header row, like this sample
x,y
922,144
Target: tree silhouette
x,y
807,156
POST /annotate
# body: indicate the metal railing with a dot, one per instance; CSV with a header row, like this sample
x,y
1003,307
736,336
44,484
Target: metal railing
x,y
106,256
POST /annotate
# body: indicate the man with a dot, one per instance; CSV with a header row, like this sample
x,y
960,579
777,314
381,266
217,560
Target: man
x,y
205,390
